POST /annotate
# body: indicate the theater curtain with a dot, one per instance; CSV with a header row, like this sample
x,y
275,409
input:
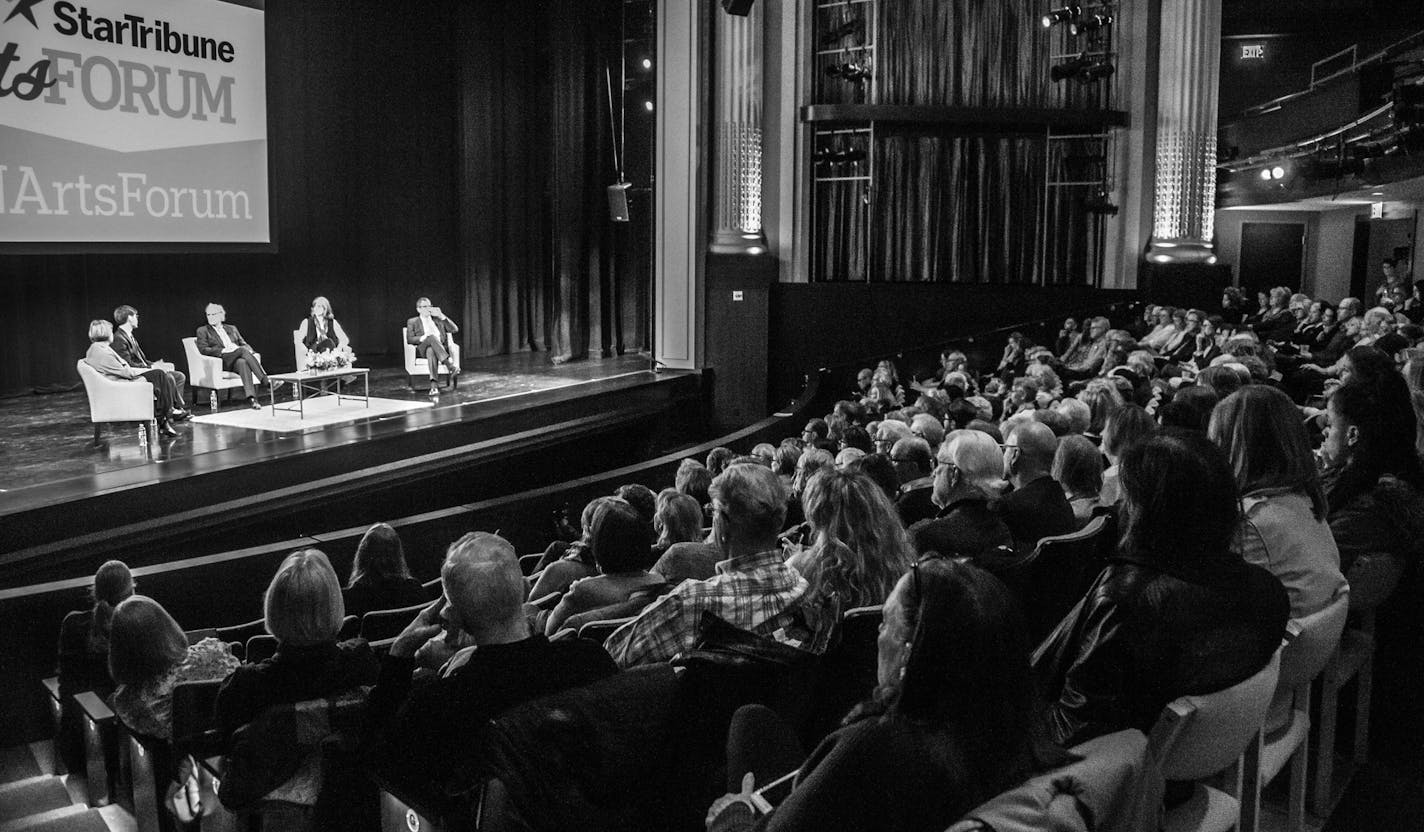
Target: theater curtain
x,y
544,268
957,208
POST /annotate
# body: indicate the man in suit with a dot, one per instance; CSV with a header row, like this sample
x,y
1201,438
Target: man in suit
x,y
220,339
101,356
430,332
1037,507
126,345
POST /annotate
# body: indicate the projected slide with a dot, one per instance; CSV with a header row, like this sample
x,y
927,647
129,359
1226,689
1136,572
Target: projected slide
x,y
133,121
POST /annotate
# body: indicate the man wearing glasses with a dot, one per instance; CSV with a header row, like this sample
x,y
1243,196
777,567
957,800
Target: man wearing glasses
x,y
221,340
912,461
1036,508
964,525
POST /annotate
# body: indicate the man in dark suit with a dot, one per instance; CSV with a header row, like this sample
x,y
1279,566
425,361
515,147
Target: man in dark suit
x,y
220,339
430,332
126,345
101,357
1036,508
913,465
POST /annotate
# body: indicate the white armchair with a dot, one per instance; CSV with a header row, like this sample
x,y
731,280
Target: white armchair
x,y
417,365
115,400
206,371
299,350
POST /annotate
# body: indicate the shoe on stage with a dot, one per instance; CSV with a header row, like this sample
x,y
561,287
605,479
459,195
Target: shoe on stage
x,y
434,390
256,405
275,385
179,415
165,429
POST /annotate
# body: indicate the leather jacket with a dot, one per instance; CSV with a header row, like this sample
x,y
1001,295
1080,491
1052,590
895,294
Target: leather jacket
x,y
1147,633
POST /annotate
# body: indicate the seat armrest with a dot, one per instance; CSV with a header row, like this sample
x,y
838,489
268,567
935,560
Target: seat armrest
x,y
93,707
51,686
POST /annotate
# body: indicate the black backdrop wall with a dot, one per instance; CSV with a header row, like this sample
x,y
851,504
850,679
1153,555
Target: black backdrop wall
x,y
451,149
362,134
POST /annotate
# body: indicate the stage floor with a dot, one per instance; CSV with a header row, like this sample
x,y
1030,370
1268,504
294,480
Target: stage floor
x,y
48,439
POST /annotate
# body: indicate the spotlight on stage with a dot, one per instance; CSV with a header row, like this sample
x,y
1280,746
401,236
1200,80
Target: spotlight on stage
x,y
1067,14
740,8
1070,68
1085,68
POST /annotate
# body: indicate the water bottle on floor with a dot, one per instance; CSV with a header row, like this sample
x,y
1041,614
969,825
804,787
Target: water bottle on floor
x,y
212,400
143,436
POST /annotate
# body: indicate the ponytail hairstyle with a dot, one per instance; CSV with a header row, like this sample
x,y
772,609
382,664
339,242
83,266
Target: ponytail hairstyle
x,y
112,584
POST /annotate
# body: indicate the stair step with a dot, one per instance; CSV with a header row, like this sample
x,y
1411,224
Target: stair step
x,y
79,819
32,796
18,763
29,822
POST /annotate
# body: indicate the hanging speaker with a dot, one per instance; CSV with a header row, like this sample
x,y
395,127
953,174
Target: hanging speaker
x,y
618,201
741,8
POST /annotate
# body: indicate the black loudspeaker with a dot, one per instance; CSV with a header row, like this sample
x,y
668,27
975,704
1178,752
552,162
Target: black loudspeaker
x,y
618,202
741,8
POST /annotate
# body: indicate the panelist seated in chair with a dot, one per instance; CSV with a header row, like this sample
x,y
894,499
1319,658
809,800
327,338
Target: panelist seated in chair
x,y
101,356
221,340
126,345
320,331
430,332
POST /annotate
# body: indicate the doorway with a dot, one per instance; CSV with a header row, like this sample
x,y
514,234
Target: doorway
x,y
1272,254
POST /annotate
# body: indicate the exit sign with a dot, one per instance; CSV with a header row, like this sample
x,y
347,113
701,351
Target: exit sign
x,y
1253,51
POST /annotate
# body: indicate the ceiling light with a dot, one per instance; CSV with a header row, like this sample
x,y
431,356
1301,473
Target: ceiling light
x,y
1266,174
1277,172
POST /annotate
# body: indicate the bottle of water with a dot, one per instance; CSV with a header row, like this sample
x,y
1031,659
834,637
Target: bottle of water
x,y
212,400
143,436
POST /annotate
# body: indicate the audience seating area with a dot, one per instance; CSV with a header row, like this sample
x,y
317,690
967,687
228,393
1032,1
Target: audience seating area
x,y
646,747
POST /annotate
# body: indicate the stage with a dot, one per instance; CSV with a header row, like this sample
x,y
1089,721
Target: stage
x,y
64,499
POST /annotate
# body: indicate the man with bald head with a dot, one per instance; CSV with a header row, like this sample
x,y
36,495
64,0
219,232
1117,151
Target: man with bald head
x,y
1036,508
914,464
753,589
431,727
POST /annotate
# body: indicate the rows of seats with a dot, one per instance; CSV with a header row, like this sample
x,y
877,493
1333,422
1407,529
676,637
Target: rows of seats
x,y
652,740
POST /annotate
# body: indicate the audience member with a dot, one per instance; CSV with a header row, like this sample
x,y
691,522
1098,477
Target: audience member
x,y
620,547
693,479
968,474
1078,467
1036,508
677,518
430,731
148,655
642,499
879,468
1284,526
380,579
84,654
303,610
913,463
717,458
1176,613
1373,477
577,558
1127,426
753,589
951,723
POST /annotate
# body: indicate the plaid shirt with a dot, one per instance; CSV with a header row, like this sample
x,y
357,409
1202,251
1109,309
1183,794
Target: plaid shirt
x,y
753,592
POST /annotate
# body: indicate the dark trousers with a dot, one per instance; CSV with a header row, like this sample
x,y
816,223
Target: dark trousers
x,y
434,354
761,742
247,367
165,393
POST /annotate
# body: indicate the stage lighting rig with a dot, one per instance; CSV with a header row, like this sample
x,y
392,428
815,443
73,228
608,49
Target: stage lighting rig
x,y
1086,68
1091,23
856,71
1067,14
1099,204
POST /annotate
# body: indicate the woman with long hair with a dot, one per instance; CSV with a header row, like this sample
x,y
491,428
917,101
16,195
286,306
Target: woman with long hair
x,y
1373,476
677,518
858,547
1176,612
380,579
148,655
320,331
951,723
1283,528
1127,426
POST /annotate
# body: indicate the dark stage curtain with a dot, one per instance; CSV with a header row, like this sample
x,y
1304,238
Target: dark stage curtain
x,y
543,266
957,208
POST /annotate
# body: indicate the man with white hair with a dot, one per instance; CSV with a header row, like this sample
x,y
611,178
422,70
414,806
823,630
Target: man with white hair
x,y
1096,354
966,475
753,589
433,728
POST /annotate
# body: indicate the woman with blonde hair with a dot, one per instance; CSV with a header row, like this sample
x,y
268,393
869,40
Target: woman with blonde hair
x,y
859,547
303,608
676,519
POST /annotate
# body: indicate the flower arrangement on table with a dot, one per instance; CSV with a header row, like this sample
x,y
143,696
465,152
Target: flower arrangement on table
x,y
337,359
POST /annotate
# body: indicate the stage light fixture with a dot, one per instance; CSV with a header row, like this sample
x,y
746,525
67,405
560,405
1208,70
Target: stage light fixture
x,y
1278,172
1099,204
740,8
647,63
1096,72
1266,174
648,105
1070,68
1066,14
1091,23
